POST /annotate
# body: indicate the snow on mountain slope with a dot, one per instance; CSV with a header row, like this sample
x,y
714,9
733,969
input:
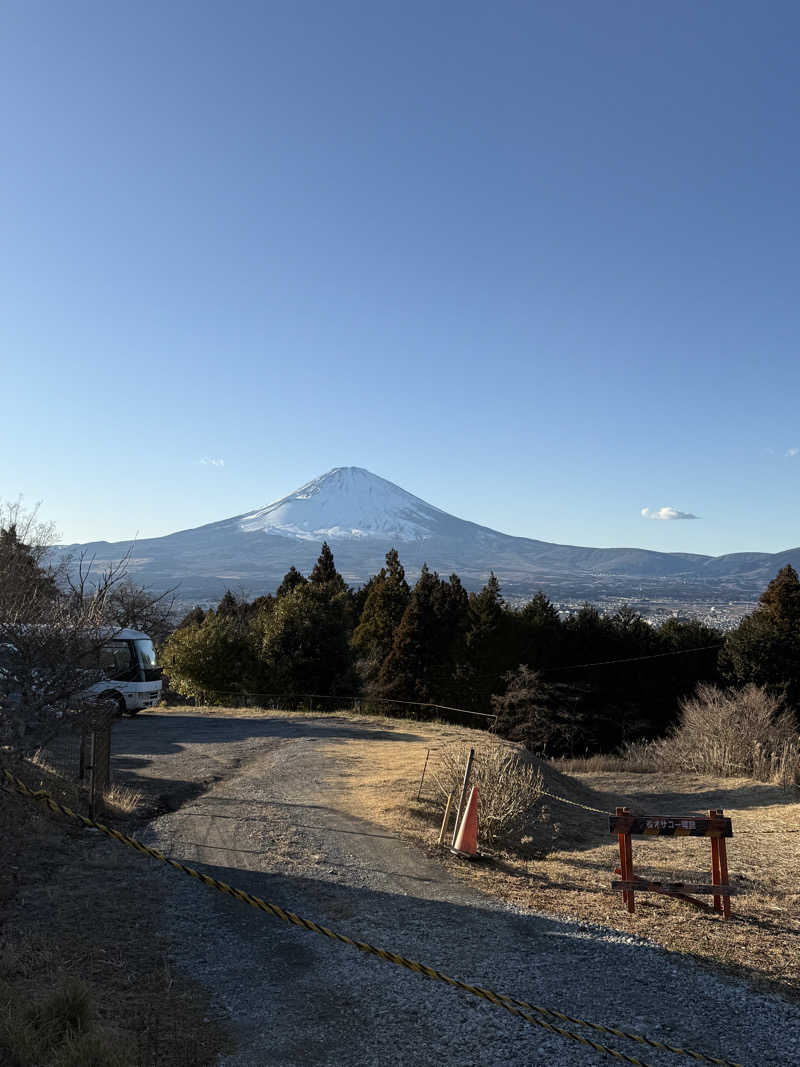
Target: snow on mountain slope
x,y
347,503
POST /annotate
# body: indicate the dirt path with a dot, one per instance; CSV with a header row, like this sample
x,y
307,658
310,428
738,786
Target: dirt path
x,y
270,823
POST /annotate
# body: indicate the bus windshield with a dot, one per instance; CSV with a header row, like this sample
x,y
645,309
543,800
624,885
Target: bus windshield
x,y
147,654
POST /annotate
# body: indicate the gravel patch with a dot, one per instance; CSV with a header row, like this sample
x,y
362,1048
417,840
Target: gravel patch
x,y
270,825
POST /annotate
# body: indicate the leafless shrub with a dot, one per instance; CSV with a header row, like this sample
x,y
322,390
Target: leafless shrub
x,y
733,733
509,789
52,626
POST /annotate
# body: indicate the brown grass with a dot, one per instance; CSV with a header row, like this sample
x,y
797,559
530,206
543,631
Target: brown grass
x,y
570,874
80,919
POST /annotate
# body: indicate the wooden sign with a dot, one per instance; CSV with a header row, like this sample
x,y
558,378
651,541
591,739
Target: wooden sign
x,y
716,827
670,826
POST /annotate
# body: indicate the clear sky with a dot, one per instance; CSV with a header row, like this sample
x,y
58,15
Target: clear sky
x,y
535,262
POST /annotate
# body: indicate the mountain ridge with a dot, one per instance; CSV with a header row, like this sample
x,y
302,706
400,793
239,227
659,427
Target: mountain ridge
x,y
362,515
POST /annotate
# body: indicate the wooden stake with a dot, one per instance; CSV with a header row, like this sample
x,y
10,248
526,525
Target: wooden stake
x,y
422,779
626,863
443,830
463,796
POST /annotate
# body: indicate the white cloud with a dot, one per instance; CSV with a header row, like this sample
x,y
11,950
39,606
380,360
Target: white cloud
x,y
667,513
791,452
212,462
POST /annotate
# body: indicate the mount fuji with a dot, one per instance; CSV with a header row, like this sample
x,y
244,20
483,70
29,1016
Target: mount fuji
x,y
362,516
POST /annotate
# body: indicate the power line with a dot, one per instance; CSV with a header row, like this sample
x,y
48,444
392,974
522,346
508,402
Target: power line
x,y
630,659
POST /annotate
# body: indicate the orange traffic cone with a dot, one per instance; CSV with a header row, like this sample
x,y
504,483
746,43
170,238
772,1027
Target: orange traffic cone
x,y
467,840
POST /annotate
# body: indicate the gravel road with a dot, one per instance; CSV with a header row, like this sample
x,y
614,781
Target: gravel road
x,y
269,823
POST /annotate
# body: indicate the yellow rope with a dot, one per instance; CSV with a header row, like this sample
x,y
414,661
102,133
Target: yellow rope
x,y
519,1008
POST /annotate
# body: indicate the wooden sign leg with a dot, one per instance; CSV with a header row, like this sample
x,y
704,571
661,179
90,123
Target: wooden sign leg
x,y
626,863
722,858
716,878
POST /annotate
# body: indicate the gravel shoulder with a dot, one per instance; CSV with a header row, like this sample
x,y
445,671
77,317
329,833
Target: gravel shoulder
x,y
256,805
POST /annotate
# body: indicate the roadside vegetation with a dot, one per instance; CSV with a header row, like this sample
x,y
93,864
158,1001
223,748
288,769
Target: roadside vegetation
x,y
81,984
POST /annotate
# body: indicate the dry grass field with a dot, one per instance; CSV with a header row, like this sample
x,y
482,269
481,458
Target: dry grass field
x,y
565,864
80,984
565,867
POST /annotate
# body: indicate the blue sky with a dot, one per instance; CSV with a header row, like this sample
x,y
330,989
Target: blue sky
x,y
535,262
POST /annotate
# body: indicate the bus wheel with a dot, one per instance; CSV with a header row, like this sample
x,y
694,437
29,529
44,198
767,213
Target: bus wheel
x,y
115,698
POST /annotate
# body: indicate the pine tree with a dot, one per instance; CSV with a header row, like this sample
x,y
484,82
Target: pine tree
x,y
487,640
291,580
424,661
540,634
405,673
192,618
765,648
780,601
228,607
325,573
383,609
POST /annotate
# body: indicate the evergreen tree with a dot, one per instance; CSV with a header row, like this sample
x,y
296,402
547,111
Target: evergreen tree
x,y
765,649
325,573
490,650
405,673
386,601
540,634
291,580
360,595
260,605
192,618
780,601
302,645
208,661
228,607
424,662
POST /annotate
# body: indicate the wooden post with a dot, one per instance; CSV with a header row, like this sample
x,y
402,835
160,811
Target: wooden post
x,y
92,776
719,870
422,779
463,796
443,830
723,872
626,863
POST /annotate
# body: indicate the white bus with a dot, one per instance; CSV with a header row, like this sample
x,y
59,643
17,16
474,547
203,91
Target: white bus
x,y
132,676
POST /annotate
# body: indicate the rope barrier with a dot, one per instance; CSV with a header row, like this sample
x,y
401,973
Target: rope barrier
x,y
343,698
575,804
520,1008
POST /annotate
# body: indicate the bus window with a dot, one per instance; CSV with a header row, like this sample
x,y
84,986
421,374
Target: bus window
x,y
115,658
147,654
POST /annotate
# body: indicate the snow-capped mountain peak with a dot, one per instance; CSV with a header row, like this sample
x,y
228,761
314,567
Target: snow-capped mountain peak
x,y
347,503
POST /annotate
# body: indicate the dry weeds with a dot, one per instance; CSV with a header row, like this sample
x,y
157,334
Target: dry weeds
x,y
79,909
571,875
510,790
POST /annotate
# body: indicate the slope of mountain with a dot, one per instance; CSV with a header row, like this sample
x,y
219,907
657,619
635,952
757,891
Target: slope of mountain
x,y
362,516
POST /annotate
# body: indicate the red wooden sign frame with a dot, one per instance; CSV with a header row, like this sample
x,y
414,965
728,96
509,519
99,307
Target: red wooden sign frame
x,y
716,827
